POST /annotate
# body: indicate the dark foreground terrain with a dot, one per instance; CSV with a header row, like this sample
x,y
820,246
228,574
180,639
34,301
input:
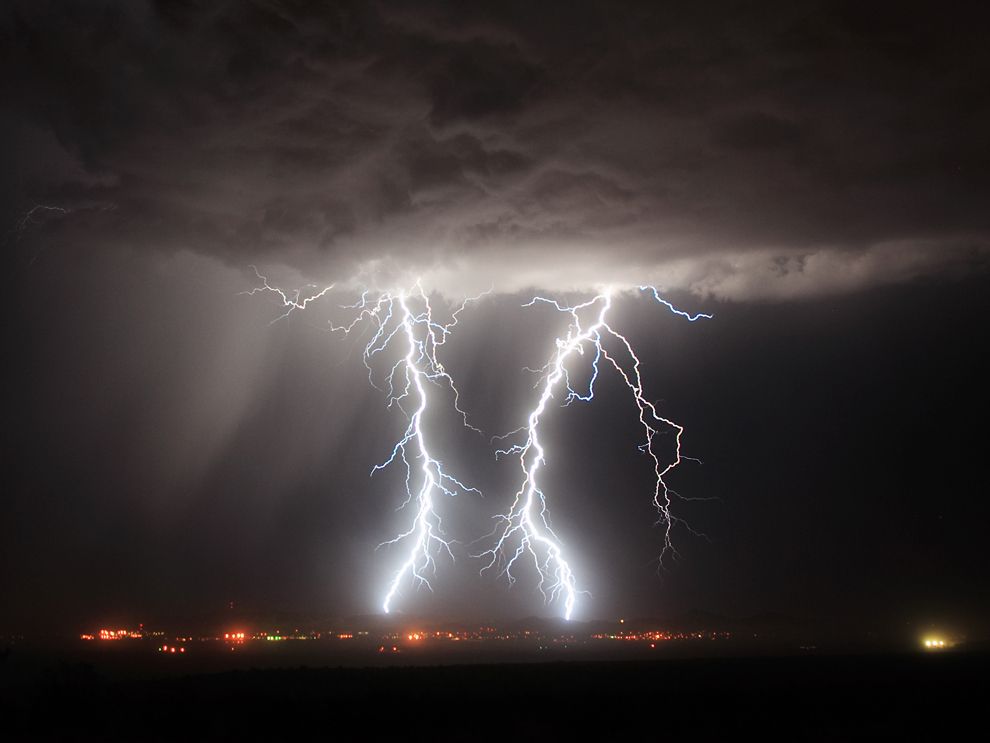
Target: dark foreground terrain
x,y
894,696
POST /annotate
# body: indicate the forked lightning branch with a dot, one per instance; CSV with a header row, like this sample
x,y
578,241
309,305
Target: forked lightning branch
x,y
405,334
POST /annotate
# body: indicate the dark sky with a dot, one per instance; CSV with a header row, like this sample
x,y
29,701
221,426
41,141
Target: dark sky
x,y
814,174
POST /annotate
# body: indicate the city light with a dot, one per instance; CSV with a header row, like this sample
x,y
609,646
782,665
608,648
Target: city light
x,y
116,634
395,640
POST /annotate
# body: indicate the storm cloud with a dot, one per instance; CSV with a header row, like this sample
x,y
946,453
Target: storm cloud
x,y
801,150
815,175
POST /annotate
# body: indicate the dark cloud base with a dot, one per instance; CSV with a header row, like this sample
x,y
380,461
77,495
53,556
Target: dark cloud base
x,y
700,148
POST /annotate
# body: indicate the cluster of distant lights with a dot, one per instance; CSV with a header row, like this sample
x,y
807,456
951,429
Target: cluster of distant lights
x,y
391,640
661,636
114,634
239,638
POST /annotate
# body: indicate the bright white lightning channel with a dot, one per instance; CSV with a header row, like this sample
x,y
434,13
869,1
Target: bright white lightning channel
x,y
406,320
526,526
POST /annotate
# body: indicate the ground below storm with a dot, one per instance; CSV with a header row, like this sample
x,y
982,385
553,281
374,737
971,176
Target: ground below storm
x,y
803,697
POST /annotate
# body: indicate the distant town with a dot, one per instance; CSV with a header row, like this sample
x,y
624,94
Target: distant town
x,y
233,632
391,640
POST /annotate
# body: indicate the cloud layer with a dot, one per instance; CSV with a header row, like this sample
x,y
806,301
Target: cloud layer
x,y
797,150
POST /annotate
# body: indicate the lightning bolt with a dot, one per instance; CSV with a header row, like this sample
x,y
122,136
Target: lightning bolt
x,y
291,304
524,532
38,214
41,214
527,525
409,378
405,320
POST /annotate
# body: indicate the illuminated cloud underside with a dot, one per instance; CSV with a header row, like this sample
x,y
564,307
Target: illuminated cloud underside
x,y
472,148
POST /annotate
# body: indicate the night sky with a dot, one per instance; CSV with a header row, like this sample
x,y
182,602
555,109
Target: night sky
x,y
816,175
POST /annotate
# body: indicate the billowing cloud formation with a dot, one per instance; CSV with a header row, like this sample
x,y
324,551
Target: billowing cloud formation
x,y
792,151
